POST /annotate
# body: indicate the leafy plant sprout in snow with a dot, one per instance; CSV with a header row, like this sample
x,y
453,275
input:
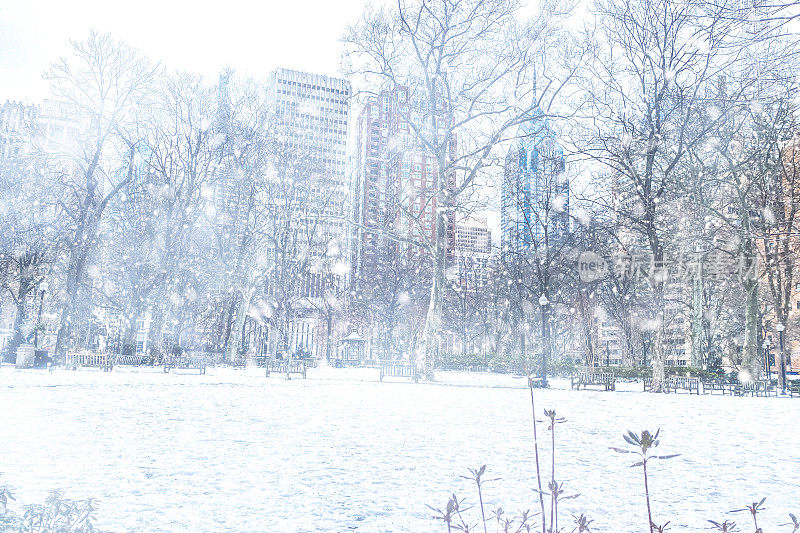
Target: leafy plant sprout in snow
x,y
644,443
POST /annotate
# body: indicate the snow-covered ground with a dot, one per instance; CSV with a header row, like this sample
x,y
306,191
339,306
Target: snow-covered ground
x,y
339,451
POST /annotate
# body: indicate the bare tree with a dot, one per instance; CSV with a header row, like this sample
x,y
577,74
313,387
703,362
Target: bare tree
x,y
538,236
29,242
103,84
246,123
468,66
297,202
654,64
183,155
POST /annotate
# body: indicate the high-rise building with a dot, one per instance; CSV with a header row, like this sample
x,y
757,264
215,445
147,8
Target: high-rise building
x,y
395,185
472,252
535,192
312,111
15,119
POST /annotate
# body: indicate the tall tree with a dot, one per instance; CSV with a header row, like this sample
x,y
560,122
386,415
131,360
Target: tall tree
x,y
653,63
468,67
103,85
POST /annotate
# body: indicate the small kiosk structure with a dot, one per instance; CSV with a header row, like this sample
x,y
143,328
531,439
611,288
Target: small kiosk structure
x,y
352,350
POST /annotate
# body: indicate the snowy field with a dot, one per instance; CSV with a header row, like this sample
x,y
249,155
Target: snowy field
x,y
235,451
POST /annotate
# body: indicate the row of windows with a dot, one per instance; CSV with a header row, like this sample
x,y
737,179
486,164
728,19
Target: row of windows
x,y
313,87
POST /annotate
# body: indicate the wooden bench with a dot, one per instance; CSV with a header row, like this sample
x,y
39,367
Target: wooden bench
x,y
676,384
537,382
130,359
755,388
185,362
589,378
399,370
725,386
288,368
99,360
793,387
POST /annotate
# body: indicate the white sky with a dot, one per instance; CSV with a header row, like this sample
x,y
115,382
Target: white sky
x,y
199,36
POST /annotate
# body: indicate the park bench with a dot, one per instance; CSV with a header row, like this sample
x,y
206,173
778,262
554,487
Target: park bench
x,y
399,370
725,386
185,362
99,360
129,359
589,378
676,384
755,388
537,382
793,387
288,368
463,367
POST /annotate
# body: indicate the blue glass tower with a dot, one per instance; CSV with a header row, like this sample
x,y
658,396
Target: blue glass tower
x,y
534,210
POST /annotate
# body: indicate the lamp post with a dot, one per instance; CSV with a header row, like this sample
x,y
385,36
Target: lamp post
x,y
766,360
544,302
781,361
43,287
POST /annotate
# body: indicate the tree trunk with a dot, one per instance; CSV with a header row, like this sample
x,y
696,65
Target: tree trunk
x,y
156,333
751,322
657,360
19,321
67,314
698,332
329,335
752,311
131,329
240,314
658,354
545,344
433,319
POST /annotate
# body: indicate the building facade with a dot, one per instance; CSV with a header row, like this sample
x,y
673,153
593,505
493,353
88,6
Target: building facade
x,y
534,208
396,181
472,252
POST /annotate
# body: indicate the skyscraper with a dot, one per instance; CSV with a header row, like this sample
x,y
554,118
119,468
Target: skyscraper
x,y
395,183
314,110
312,113
472,252
534,208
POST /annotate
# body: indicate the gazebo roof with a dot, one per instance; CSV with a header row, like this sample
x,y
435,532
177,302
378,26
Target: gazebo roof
x,y
353,337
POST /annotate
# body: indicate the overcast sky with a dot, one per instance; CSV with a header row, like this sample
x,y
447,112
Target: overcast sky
x,y
200,36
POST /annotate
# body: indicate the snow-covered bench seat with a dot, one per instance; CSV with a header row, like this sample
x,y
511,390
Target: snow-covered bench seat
x,y
399,370
191,362
725,386
591,378
282,367
755,388
100,360
676,384
129,359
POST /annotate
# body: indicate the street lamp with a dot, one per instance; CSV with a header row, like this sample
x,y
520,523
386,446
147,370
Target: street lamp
x,y
766,360
780,327
544,302
43,288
